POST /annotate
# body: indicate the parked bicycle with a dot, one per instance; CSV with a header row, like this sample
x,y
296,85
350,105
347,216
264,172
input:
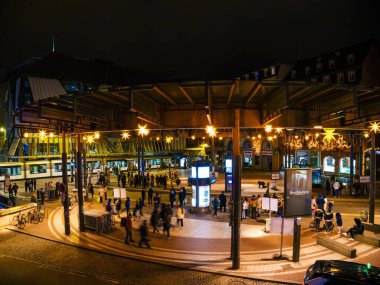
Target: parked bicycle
x,y
35,216
19,220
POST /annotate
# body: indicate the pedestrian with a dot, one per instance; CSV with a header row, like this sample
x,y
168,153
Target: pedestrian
x,y
91,190
320,201
172,195
128,229
245,208
108,205
127,204
180,215
14,189
313,206
156,201
166,215
215,205
118,205
62,191
26,185
180,197
150,196
328,187
141,206
143,196
253,207
259,205
154,219
222,202
144,234
336,188
101,194
358,228
339,222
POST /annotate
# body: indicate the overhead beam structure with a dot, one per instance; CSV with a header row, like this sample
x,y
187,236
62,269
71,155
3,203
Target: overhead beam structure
x,y
253,92
184,92
164,94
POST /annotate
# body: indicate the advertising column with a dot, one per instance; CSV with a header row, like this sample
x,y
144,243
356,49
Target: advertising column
x,y
201,186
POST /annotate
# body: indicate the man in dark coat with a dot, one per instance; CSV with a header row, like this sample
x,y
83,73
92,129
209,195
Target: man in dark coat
x,y
222,201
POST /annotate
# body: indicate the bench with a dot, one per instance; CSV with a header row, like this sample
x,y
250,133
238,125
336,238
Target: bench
x,y
337,246
261,184
375,241
371,227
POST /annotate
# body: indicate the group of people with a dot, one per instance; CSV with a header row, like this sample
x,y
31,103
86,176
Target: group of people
x,y
30,185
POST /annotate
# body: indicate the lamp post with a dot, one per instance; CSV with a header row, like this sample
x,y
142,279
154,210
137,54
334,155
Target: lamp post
x,y
65,183
142,131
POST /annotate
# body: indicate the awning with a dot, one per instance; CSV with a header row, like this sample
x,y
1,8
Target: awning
x,y
43,88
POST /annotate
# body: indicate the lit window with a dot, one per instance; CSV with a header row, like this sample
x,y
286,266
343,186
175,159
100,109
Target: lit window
x,y
273,70
294,74
326,79
256,75
340,78
307,70
266,72
331,63
350,59
351,76
319,67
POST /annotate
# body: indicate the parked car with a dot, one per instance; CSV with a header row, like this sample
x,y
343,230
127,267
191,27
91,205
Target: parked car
x,y
341,272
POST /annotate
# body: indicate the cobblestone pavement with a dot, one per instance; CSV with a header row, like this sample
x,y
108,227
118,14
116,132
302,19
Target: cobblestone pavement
x,y
27,259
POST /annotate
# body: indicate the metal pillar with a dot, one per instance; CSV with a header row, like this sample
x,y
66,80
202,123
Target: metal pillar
x,y
85,166
372,168
360,155
351,163
296,239
138,160
65,183
285,151
79,178
236,188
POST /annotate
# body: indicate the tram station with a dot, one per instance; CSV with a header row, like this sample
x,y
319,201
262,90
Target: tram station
x,y
284,129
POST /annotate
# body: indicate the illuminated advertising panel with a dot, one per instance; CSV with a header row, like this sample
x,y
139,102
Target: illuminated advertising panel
x,y
298,188
193,172
228,165
204,172
204,196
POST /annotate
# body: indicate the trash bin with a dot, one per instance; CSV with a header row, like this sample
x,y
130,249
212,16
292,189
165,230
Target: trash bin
x,y
364,216
267,225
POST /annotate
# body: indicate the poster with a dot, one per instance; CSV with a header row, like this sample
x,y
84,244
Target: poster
x,y
298,186
276,223
273,206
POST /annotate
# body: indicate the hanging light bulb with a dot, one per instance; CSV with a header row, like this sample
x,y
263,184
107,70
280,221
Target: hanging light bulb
x,y
157,138
142,130
375,127
307,138
278,130
366,135
51,135
193,137
268,128
96,135
125,135
26,135
259,136
42,134
168,139
211,131
220,138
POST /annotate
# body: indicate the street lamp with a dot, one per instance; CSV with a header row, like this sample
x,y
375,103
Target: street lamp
x,y
142,130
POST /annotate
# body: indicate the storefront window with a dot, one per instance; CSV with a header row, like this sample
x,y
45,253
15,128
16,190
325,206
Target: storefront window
x,y
329,164
345,165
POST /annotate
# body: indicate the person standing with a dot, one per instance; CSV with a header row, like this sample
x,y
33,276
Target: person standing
x,y
127,204
14,189
336,188
144,234
245,208
259,205
313,206
150,196
180,197
143,196
328,187
166,215
254,207
222,201
339,222
101,194
128,229
154,218
180,215
91,190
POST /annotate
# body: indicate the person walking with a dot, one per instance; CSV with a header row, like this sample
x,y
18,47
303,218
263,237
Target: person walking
x,y
167,214
144,234
222,202
156,201
150,196
127,204
215,205
180,215
328,187
259,205
313,206
320,201
14,189
128,228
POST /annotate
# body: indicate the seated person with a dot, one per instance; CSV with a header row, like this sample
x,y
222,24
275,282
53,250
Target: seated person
x,y
358,228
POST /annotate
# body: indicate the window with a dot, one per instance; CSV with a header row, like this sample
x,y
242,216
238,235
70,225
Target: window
x,y
351,76
326,79
272,70
27,93
257,75
350,59
294,74
331,63
319,67
307,70
266,72
329,164
340,78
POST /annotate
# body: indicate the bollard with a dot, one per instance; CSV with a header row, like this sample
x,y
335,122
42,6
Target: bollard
x,y
297,239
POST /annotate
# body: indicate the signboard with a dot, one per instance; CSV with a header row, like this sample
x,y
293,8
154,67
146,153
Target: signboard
x,y
248,154
276,224
266,152
297,192
273,206
120,193
276,176
365,179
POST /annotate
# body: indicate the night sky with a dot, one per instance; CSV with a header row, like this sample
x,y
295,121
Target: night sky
x,y
197,40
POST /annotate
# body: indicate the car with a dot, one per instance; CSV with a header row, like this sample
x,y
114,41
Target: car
x,y
341,272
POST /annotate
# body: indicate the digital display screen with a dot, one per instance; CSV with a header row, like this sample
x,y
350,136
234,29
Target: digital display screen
x,y
298,192
229,165
204,196
204,172
194,198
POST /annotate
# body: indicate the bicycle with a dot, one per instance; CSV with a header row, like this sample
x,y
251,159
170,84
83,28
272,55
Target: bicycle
x,y
19,221
33,216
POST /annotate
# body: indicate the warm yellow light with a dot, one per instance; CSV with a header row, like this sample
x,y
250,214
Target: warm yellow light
x,y
42,134
142,130
253,137
96,135
329,135
51,135
307,137
275,136
125,135
2,129
296,137
157,138
220,138
268,128
193,137
168,139
90,139
278,130
270,138
259,136
26,135
205,145
247,137
366,135
375,127
317,135
203,138
211,131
